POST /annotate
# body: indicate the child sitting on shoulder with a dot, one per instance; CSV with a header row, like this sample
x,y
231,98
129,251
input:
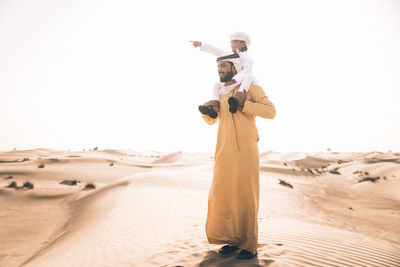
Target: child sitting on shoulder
x,y
240,42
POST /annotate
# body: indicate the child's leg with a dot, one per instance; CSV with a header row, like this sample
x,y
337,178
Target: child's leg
x,y
211,108
215,97
242,87
215,93
246,83
239,98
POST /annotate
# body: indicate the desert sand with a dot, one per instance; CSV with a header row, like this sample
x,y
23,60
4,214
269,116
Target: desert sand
x,y
149,209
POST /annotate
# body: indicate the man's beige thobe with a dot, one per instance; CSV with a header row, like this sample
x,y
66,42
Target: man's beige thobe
x,y
234,194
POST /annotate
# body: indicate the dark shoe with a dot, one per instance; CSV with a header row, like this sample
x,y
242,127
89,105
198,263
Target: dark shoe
x,y
245,255
233,104
227,249
208,110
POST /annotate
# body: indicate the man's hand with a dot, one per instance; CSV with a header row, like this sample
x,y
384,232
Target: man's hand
x,y
241,97
196,43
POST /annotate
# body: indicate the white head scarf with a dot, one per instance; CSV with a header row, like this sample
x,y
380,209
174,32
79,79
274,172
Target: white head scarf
x,y
235,59
241,36
231,57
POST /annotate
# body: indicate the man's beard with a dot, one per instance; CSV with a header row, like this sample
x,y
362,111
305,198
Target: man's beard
x,y
228,76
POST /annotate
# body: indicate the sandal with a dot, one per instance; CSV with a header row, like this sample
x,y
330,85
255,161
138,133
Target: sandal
x,y
233,104
245,255
227,249
208,110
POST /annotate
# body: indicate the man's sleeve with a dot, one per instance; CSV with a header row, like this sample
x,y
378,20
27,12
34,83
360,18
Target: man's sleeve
x,y
209,120
211,49
258,104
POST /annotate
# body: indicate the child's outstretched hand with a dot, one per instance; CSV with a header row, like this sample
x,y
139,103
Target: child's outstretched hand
x,y
196,43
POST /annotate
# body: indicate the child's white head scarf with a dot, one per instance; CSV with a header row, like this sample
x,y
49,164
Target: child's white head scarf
x,y
241,36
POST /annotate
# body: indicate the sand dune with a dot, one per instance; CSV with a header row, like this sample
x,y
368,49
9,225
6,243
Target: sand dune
x,y
170,158
149,209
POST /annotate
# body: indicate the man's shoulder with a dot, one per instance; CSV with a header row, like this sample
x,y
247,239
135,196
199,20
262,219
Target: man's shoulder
x,y
254,89
255,86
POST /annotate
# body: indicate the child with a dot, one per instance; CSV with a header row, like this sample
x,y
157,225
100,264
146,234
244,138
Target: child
x,y
239,44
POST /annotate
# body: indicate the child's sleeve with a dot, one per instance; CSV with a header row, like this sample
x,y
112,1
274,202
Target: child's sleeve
x,y
211,49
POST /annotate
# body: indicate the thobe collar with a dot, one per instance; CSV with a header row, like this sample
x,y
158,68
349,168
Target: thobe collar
x,y
223,90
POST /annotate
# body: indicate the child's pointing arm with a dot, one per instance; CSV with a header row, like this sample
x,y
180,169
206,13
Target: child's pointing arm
x,y
208,48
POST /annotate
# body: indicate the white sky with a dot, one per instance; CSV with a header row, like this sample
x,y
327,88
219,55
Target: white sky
x,y
122,74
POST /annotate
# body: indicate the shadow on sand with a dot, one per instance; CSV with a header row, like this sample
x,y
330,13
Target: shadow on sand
x,y
215,259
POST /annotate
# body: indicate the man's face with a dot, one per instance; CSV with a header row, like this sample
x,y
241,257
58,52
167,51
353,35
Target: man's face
x,y
226,71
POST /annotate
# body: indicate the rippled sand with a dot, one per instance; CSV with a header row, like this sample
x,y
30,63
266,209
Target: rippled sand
x,y
149,209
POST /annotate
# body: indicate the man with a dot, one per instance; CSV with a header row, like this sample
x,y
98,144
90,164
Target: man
x,y
233,198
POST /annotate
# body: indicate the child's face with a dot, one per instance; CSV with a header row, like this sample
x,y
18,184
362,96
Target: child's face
x,y
236,44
